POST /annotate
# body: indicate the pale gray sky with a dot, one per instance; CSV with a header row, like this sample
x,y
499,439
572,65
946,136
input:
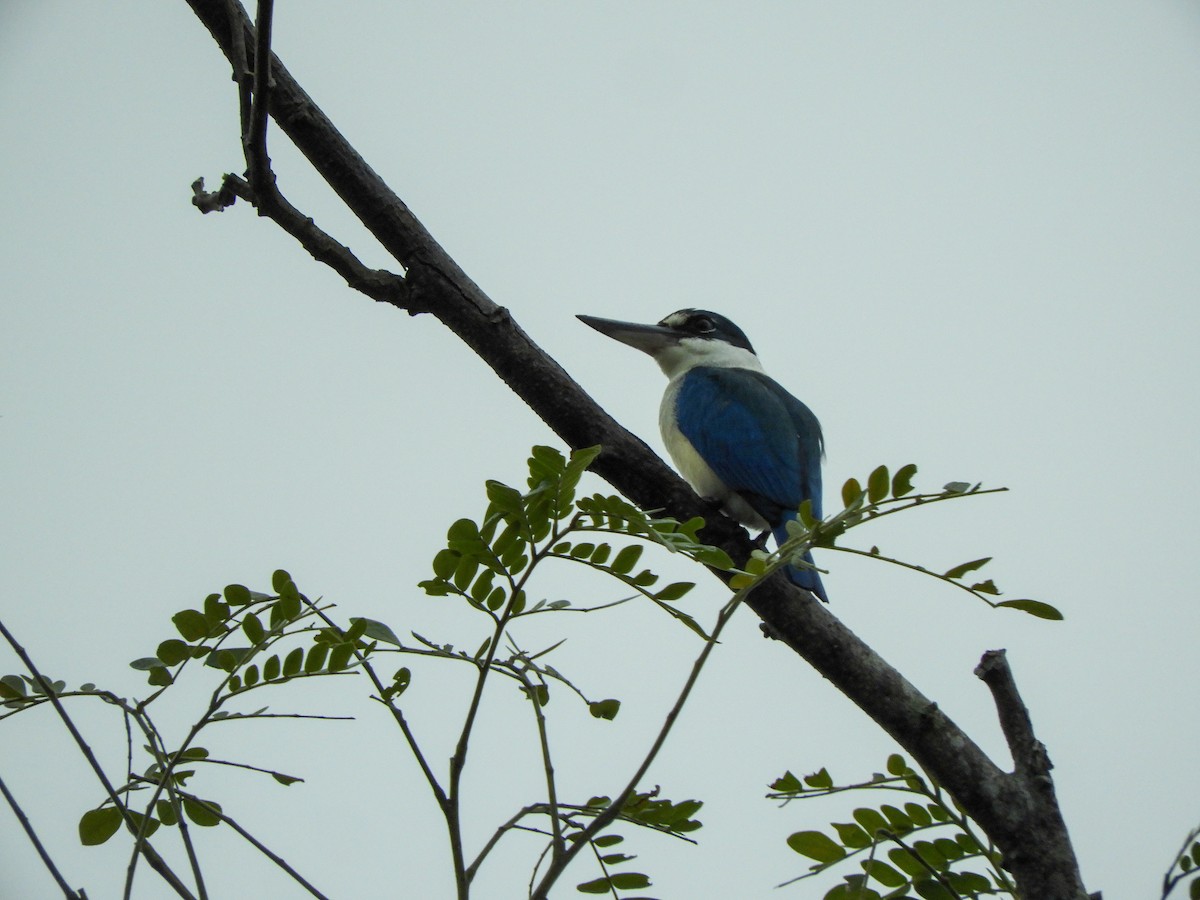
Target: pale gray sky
x,y
967,235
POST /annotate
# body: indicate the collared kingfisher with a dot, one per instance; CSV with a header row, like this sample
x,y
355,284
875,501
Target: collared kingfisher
x,y
737,437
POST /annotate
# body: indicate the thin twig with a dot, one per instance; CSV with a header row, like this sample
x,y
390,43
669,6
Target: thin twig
x,y
242,74
605,818
67,890
156,862
257,844
257,160
547,763
499,833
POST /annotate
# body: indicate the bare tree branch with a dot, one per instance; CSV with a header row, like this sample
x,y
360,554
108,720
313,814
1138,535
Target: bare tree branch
x,y
147,851
67,890
1020,819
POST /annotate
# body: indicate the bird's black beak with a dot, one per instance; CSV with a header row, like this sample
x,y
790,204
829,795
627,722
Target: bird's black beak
x,y
647,338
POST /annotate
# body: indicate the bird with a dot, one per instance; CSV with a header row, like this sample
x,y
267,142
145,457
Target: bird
x,y
735,434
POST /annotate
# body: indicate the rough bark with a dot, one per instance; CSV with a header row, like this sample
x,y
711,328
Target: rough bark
x,y
1018,810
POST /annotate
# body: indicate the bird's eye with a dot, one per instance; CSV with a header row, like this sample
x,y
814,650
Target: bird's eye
x,y
703,325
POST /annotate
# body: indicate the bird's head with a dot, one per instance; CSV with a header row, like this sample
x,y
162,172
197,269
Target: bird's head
x,y
683,340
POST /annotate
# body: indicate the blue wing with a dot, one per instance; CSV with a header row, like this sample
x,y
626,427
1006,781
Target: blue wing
x,y
757,438
763,443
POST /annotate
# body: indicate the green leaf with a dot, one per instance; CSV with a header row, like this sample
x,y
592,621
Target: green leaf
x,y
280,580
851,835
957,487
612,859
986,587
851,492
852,889
285,780
960,570
674,591
507,500
899,821
12,687
271,668
605,709
284,610
358,627
315,661
496,598
932,890
464,574
253,628
907,863
878,483
626,559
1034,608
902,480
147,663
883,873
293,661
931,855
173,651
200,813
620,881
228,658
897,765
401,680
821,779
191,624
237,595
950,850
215,611
969,884
434,587
607,840
166,812
97,825
918,814
580,460
644,578
871,821
816,845
339,657
250,675
445,563
149,828
787,783
968,843
377,631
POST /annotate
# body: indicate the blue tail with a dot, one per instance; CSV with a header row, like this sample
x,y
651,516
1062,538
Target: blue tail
x,y
809,579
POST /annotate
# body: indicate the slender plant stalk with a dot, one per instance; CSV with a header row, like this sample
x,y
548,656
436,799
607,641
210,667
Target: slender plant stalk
x,y
606,817
156,862
68,892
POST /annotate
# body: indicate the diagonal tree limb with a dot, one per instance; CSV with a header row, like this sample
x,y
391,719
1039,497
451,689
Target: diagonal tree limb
x,y
68,892
1027,826
143,846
